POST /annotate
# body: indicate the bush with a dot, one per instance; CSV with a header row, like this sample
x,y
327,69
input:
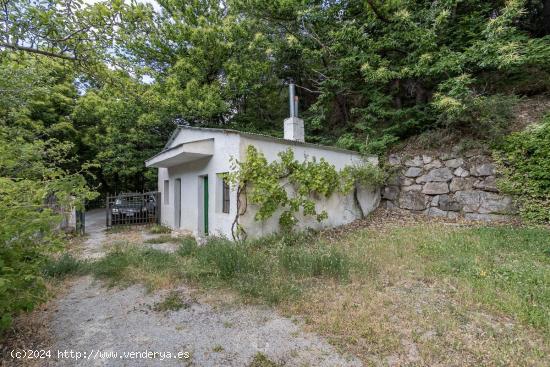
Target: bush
x,y
524,161
63,266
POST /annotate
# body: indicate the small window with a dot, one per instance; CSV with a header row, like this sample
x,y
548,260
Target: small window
x,y
166,192
225,196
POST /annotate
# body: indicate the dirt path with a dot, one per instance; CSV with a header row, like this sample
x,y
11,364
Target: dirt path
x,y
92,318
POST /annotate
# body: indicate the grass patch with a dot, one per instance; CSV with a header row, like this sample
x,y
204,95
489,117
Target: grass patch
x,y
188,246
218,348
62,267
172,302
126,266
507,269
454,295
159,229
162,239
261,360
258,270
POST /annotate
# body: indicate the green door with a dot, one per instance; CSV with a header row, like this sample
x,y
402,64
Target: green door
x,y
205,189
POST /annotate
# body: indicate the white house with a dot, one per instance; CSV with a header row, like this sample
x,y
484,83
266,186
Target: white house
x,y
195,198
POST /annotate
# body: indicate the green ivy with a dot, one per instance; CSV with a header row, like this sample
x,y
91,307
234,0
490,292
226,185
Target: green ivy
x,y
264,183
524,161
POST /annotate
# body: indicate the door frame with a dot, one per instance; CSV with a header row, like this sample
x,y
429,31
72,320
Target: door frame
x,y
205,204
177,203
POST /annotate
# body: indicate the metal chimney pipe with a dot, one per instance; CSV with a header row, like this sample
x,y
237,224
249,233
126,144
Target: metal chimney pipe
x,y
296,106
292,103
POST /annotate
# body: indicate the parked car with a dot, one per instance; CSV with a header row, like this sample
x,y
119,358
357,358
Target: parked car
x,y
129,208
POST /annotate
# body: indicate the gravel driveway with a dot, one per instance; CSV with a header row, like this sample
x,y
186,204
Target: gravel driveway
x,y
91,317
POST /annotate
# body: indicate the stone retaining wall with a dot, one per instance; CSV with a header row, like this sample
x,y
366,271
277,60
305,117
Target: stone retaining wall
x,y
447,185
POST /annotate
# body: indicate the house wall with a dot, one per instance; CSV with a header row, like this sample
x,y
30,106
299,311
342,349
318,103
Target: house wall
x,y
341,209
225,146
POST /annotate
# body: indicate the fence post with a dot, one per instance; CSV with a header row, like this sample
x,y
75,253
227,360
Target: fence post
x,y
107,211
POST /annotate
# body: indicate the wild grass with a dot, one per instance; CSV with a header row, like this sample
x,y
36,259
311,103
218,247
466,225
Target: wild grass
x,y
438,295
159,229
273,270
261,360
172,302
162,239
416,293
62,267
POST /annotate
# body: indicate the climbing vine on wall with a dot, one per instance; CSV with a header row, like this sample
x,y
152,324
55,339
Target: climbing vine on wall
x,y
291,185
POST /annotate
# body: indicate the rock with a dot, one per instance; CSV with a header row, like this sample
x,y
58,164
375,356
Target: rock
x,y
488,184
427,159
470,200
434,188
435,200
454,163
485,169
439,175
390,205
393,180
421,179
461,184
414,162
453,215
487,217
435,212
461,172
471,153
412,188
394,160
435,164
449,204
390,192
448,155
413,172
407,181
490,202
412,200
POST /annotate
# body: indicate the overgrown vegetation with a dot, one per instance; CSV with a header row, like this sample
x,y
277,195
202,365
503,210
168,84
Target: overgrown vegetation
x,y
159,229
261,360
172,302
524,160
263,183
457,295
471,295
369,74
162,239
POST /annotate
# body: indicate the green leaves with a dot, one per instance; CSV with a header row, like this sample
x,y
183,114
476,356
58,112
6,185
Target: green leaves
x,y
524,161
290,185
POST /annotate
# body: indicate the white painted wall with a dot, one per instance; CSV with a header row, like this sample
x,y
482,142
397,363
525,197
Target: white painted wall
x,y
225,146
342,209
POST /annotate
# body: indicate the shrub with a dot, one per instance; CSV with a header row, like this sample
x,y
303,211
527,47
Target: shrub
x,y
63,266
524,161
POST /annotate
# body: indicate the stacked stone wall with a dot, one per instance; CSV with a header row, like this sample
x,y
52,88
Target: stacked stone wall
x,y
447,185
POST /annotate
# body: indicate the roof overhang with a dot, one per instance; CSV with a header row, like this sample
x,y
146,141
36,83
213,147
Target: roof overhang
x,y
182,153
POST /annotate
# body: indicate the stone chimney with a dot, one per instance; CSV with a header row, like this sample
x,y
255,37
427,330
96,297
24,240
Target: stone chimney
x,y
294,126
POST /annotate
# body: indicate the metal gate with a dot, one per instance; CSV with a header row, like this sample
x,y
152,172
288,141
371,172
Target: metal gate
x,y
132,208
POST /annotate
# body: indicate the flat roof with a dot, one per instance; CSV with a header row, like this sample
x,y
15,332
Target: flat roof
x,y
258,137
